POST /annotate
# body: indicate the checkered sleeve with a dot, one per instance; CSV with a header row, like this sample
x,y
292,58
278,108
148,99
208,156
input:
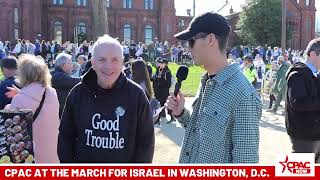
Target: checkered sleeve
x,y
184,118
245,135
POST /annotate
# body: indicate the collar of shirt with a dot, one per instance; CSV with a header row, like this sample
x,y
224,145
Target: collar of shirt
x,y
312,68
222,76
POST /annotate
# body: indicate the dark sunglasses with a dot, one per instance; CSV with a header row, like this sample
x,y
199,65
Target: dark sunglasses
x,y
198,36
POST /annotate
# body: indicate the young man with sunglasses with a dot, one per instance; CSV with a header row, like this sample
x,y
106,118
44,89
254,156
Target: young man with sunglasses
x,y
224,124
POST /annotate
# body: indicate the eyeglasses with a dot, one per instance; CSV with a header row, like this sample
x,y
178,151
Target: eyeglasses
x,y
198,36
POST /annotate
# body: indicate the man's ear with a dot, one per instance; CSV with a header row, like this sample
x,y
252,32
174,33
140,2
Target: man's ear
x,y
313,54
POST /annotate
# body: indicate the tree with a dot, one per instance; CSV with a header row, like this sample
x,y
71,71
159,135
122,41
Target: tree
x,y
100,18
260,22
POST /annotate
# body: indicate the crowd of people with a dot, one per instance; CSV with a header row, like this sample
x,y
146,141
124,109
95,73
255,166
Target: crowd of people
x,y
100,111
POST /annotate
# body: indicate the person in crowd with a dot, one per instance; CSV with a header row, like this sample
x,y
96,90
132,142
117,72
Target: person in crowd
x,y
23,47
61,79
9,70
174,54
106,96
7,48
85,48
140,75
280,86
271,78
249,70
37,51
224,124
82,60
35,79
2,51
17,49
43,50
303,103
276,53
90,50
163,84
133,50
126,52
30,48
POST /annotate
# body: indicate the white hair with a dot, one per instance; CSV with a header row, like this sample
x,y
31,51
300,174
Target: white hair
x,y
106,40
62,59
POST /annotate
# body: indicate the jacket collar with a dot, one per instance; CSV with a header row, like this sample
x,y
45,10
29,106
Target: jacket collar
x,y
224,75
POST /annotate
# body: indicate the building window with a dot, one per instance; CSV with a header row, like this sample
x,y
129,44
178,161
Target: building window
x,y
81,2
127,4
148,34
181,22
16,23
298,1
57,31
127,33
308,24
307,2
168,28
108,3
82,28
148,4
57,2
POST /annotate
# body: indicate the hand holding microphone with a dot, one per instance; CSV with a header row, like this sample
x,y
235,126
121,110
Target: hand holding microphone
x,y
175,102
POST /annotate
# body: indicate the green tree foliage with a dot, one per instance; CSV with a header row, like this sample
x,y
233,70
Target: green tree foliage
x,y
260,22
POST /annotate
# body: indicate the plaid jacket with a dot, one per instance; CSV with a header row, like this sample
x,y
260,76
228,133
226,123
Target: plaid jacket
x,y
224,124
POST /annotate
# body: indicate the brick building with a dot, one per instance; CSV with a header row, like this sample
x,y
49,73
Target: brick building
x,y
139,20
300,19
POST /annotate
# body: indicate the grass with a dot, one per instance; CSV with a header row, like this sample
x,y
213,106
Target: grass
x,y
190,85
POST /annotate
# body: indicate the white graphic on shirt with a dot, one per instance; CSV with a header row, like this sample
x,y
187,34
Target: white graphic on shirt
x,y
113,139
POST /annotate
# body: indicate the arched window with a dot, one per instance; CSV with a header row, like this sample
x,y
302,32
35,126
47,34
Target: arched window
x,y
148,4
108,3
148,34
127,3
81,2
82,27
307,2
57,2
127,33
57,31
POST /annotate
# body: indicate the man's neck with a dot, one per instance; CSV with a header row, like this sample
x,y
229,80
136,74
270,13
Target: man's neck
x,y
217,64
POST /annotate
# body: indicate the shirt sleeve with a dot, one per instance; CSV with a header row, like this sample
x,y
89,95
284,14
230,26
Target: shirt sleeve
x,y
245,134
185,118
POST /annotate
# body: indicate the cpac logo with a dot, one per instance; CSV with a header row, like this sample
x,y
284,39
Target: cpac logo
x,y
296,164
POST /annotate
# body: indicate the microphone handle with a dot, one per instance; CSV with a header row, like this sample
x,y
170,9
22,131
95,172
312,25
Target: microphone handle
x,y
176,91
177,88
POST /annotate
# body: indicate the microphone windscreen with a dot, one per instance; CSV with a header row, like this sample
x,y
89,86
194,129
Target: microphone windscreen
x,y
182,73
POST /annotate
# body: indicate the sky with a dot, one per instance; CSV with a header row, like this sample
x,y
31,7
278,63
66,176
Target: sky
x,y
215,5
207,5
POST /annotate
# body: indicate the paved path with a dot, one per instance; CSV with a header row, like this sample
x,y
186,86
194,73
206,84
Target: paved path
x,y
273,138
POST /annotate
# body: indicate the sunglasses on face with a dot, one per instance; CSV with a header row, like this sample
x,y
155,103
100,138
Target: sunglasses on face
x,y
198,36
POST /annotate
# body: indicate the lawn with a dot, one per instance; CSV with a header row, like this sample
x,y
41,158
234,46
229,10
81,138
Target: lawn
x,y
189,86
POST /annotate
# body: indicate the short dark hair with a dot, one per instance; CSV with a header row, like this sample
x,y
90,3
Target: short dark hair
x,y
314,45
222,42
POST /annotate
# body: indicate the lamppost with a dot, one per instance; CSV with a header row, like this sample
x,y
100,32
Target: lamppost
x,y
283,30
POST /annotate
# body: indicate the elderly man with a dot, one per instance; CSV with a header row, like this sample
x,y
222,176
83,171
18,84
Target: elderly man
x,y
107,117
61,79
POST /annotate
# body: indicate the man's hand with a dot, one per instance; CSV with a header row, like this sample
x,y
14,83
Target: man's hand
x,y
175,104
